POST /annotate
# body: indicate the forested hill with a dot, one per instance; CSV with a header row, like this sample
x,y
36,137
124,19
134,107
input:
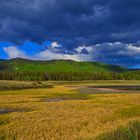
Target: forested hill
x,y
23,65
22,69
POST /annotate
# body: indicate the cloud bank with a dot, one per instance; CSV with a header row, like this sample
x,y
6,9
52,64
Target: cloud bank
x,y
113,53
70,22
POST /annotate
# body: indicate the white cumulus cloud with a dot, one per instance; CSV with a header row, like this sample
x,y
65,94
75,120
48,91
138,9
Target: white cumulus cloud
x,y
55,44
14,52
48,55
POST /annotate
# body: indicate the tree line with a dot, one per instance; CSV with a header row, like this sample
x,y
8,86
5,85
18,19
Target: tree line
x,y
69,76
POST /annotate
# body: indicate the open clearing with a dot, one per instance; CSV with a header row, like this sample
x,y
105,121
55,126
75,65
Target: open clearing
x,y
88,110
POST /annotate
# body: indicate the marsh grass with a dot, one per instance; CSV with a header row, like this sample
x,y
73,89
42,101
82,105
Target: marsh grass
x,y
18,85
79,117
63,97
129,132
130,111
4,119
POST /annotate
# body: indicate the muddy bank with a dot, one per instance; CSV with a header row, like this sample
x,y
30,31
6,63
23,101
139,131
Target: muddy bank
x,y
11,110
62,99
53,100
108,89
122,87
87,90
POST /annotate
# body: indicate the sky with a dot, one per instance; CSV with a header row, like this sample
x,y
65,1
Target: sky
x,y
105,31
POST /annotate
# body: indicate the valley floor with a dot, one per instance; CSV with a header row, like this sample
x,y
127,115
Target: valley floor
x,y
85,110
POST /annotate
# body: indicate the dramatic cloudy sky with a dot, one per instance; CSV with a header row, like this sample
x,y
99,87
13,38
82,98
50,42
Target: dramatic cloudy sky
x,y
82,30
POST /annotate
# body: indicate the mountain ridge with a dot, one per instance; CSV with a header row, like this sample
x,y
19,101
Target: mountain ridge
x,y
25,65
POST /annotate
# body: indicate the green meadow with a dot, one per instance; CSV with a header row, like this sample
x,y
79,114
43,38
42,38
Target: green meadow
x,y
88,110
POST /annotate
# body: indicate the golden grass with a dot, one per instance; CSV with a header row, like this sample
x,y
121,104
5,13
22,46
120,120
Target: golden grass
x,y
80,117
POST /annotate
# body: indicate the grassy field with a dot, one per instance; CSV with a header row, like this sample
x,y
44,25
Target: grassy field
x,y
70,111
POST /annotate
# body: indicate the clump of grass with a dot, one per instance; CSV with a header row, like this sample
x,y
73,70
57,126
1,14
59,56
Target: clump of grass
x,y
130,132
130,111
4,119
39,84
3,136
17,85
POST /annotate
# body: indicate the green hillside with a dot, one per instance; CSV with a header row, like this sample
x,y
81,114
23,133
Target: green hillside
x,y
23,65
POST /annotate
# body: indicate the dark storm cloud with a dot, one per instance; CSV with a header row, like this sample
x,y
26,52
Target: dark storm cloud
x,y
117,53
70,22
74,23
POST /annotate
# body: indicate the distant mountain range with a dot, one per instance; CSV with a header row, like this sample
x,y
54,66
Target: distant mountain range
x,y
24,65
2,59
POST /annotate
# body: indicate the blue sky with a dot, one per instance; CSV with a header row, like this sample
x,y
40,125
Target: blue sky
x,y
83,30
